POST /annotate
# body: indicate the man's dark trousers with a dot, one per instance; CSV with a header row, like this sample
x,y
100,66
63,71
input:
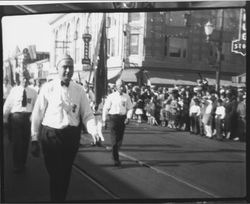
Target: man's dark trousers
x,y
20,138
117,127
60,147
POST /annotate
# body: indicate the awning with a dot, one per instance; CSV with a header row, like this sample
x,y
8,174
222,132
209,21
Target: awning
x,y
184,78
129,75
173,78
114,74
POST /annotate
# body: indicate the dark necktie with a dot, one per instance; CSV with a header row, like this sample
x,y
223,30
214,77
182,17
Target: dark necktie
x,y
64,83
24,101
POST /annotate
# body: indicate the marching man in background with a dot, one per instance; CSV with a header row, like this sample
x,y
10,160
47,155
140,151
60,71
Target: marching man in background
x,y
119,107
16,114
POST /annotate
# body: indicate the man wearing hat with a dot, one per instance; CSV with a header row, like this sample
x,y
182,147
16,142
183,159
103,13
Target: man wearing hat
x,y
17,111
56,120
119,107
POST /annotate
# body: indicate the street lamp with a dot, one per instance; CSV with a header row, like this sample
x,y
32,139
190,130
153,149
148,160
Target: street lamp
x,y
209,28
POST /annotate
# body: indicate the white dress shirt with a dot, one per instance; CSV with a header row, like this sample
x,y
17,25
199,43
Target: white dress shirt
x,y
117,104
6,90
13,102
209,107
195,109
60,106
220,111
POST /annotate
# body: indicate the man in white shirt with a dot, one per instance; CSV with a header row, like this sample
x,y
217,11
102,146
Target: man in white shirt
x,y
194,114
119,107
207,118
56,120
220,113
6,89
16,114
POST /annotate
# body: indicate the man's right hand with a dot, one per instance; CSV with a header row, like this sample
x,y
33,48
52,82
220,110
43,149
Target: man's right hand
x,y
5,120
35,149
105,125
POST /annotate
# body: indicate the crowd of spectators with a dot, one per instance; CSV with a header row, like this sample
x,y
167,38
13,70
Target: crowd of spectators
x,y
199,110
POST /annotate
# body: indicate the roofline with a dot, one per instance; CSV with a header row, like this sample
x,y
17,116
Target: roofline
x,y
53,20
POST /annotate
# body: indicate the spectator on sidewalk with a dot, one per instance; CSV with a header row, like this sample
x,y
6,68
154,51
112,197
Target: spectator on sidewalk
x,y
220,113
194,114
231,116
207,119
6,89
241,117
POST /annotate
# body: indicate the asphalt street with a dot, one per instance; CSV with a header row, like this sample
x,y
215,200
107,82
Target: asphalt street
x,y
158,163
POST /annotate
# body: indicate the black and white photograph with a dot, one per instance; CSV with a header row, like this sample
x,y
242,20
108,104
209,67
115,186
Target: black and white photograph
x,y
124,102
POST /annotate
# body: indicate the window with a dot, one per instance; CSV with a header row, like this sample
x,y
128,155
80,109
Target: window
x,y
68,38
226,52
133,17
56,49
111,47
134,44
178,47
176,18
77,42
108,22
108,47
165,46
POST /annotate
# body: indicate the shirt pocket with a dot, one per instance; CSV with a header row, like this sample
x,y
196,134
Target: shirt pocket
x,y
123,102
75,106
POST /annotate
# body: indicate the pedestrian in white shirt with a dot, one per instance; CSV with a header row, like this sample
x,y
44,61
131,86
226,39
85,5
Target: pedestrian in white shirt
x,y
6,89
194,113
55,119
98,118
119,107
207,118
220,113
16,114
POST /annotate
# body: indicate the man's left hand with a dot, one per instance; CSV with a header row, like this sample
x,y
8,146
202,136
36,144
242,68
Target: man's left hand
x,y
126,122
95,138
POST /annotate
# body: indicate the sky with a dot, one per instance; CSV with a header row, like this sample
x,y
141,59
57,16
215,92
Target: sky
x,y
26,30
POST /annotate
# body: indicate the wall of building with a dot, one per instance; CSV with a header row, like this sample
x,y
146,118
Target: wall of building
x,y
196,53
81,23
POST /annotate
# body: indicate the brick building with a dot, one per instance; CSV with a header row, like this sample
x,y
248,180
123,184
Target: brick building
x,y
164,47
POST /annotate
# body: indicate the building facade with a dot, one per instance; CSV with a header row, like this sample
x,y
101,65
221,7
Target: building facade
x,y
28,59
167,47
69,31
175,49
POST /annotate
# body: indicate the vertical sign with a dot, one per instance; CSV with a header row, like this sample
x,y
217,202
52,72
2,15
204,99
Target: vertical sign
x,y
239,45
86,38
